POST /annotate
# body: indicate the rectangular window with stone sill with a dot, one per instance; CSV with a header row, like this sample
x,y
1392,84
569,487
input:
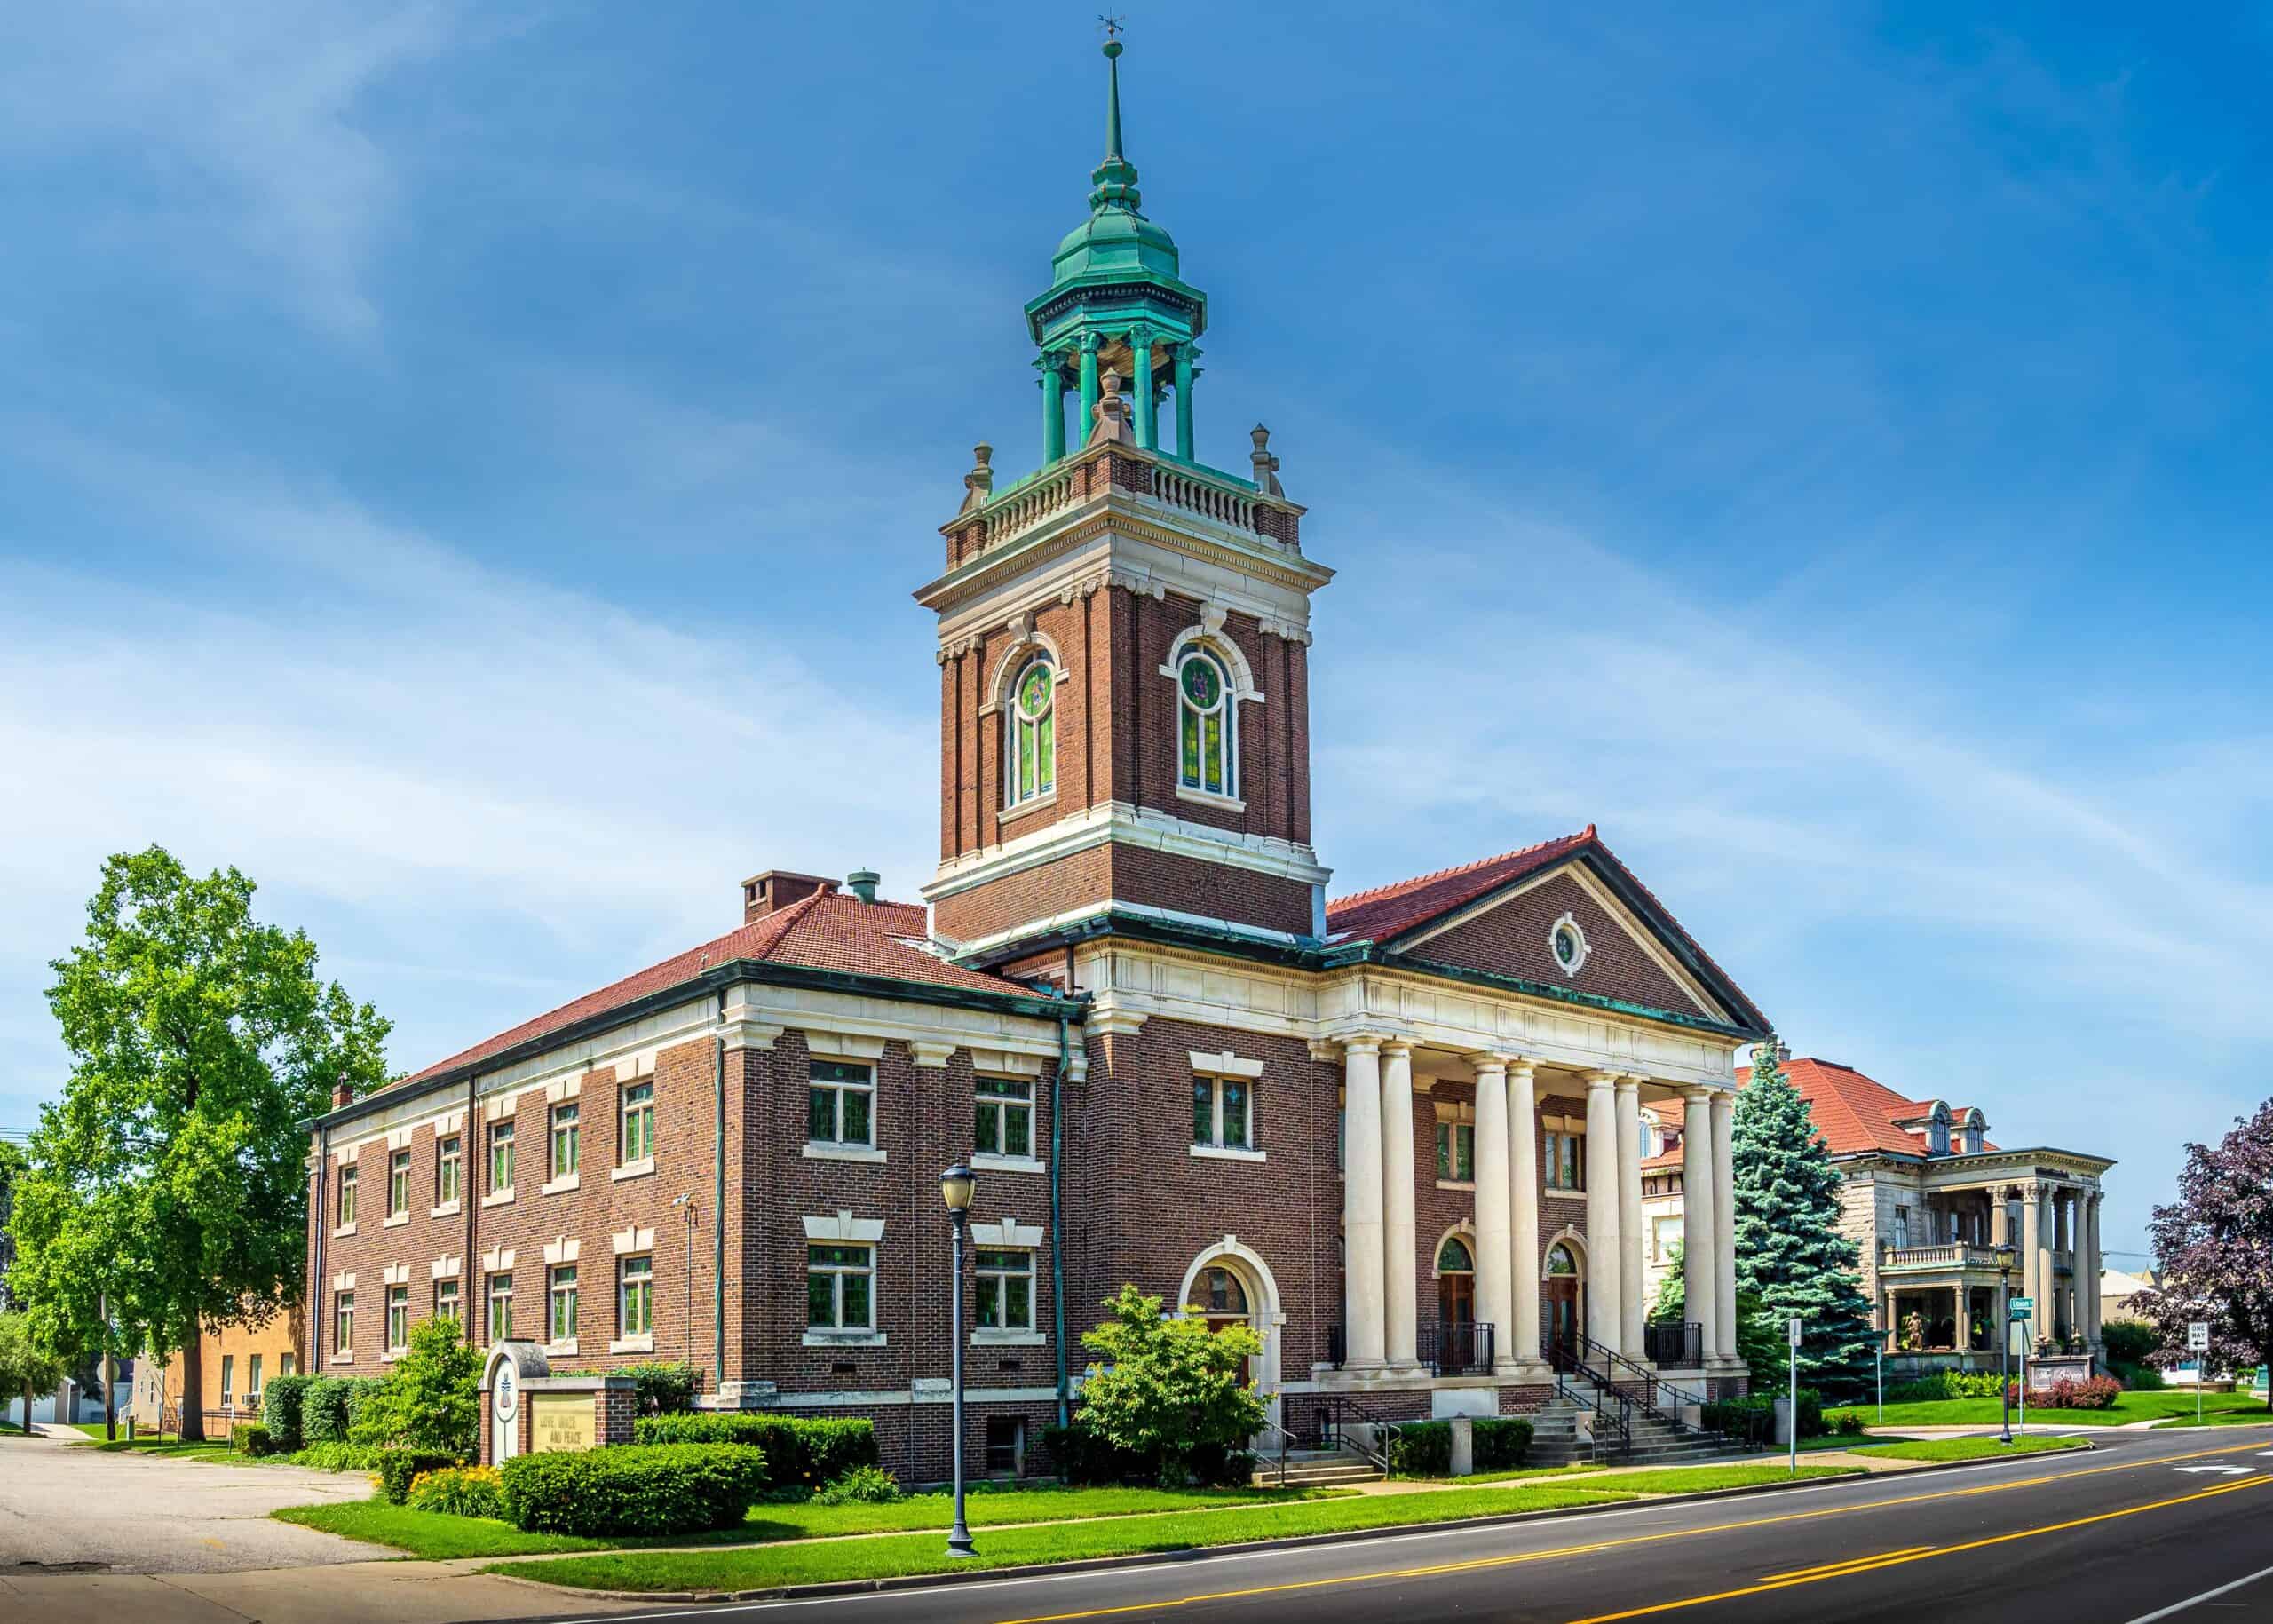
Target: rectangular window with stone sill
x,y
840,1097
567,1140
1004,1291
1004,1117
399,1185
449,1168
1223,1114
501,1306
636,1142
839,1281
347,1182
501,1158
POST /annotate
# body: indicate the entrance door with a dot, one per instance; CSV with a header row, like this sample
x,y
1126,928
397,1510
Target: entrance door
x,y
1456,1307
1559,1296
1223,1301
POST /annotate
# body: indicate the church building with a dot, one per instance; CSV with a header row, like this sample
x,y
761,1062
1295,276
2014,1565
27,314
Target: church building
x,y
1400,1133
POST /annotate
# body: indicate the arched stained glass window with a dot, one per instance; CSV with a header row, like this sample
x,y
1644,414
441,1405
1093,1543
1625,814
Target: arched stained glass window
x,y
1453,1257
1559,1261
1221,1293
1032,747
1204,751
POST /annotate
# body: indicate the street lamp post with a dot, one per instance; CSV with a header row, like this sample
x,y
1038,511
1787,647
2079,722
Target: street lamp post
x,y
2004,1338
955,1188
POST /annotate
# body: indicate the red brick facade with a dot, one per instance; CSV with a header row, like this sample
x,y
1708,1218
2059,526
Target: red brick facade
x,y
1510,938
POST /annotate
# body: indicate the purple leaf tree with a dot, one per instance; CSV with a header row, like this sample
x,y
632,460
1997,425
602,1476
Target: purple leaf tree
x,y
2213,1247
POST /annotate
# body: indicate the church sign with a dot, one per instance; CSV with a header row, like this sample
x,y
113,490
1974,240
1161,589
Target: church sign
x,y
560,1421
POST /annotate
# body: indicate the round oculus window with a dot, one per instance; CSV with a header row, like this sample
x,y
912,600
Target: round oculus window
x,y
1568,943
1203,684
1035,690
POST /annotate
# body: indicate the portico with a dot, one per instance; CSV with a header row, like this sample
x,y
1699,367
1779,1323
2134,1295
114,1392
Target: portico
x,y
1531,1184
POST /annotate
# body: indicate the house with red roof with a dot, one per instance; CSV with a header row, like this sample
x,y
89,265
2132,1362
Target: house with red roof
x,y
1399,1132
1948,1224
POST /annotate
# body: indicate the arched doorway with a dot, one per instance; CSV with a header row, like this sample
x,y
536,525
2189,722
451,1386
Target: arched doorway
x,y
1561,1295
1223,1301
1456,1349
1229,1282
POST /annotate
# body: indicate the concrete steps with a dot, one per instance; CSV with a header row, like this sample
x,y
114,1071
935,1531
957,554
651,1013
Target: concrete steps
x,y
1318,1468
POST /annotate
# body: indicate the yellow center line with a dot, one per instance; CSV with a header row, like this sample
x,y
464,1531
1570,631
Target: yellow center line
x,y
1903,1559
1436,1569
1830,1568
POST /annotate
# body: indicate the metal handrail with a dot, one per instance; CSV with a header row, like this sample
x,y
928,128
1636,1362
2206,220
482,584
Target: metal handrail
x,y
1613,1434
1573,1353
1335,1414
1286,1440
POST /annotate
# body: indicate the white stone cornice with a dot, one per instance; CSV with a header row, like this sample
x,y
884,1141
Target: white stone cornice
x,y
1127,824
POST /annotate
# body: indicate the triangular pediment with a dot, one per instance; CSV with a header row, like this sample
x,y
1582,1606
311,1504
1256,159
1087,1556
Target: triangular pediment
x,y
1569,926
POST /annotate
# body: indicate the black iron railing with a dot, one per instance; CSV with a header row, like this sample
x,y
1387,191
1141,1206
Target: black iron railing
x,y
1578,1356
1335,1421
1681,1345
1456,1348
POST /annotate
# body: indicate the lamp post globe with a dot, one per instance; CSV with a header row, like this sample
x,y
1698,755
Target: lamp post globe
x,y
955,1189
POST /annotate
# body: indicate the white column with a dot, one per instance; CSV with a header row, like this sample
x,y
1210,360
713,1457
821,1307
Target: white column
x,y
1700,1201
2035,1257
2091,1229
1401,1264
1365,1346
1495,1231
1604,1318
1523,1188
1724,1218
1631,1280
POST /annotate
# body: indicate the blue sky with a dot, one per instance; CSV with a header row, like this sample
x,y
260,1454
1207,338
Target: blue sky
x,y
466,466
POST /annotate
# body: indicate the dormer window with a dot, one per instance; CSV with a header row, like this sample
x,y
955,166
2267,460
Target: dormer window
x,y
1205,753
1032,748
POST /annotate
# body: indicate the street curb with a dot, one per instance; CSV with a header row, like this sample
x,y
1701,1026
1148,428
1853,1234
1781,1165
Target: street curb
x,y
1347,1536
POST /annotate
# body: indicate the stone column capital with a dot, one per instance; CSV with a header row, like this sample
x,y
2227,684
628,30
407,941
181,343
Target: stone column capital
x,y
1491,1066
1356,1042
1396,1047
1602,1080
1697,1094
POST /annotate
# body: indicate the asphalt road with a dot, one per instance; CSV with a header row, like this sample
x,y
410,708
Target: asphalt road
x,y
2144,1527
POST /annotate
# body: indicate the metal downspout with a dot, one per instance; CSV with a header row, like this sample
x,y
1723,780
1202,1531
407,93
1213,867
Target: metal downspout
x,y
719,1208
473,1288
322,1219
1057,1209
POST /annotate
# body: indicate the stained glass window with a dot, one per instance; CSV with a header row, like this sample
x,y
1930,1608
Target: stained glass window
x,y
1204,726
1033,733
1453,1257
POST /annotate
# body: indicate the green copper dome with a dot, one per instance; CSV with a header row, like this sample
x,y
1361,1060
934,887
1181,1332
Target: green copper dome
x,y
1116,249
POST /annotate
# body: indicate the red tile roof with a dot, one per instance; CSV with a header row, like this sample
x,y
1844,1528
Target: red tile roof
x,y
826,931
1387,912
1854,1114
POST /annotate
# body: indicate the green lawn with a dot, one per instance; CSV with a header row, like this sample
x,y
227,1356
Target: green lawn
x,y
1987,1412
431,1533
1969,1449
161,1443
764,1568
1704,1479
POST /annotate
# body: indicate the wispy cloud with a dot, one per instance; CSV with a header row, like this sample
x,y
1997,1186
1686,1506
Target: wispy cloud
x,y
231,137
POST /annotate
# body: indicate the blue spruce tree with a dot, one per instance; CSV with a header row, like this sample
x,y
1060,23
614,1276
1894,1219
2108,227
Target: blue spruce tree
x,y
1791,1257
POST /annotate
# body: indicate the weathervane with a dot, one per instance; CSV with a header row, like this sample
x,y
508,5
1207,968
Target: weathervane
x,y
1110,25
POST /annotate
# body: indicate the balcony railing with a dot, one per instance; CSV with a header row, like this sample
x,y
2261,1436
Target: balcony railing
x,y
1462,1348
1457,1348
1680,1346
1952,1255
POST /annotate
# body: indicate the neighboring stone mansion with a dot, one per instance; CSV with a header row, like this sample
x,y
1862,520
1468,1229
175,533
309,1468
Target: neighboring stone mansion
x,y
1398,1134
1928,1199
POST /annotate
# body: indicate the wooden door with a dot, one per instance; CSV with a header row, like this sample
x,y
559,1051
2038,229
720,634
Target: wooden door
x,y
1559,1296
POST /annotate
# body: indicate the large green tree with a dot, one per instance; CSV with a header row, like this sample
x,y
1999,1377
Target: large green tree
x,y
26,1366
171,1176
2213,1248
1790,1254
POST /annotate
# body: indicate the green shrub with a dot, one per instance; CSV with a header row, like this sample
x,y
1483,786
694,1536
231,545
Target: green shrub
x,y
1421,1449
336,1457
799,1452
329,1406
633,1488
1085,1457
863,1486
1848,1424
1944,1384
251,1438
1501,1441
2067,1393
1755,1414
2129,1342
398,1466
2140,1378
663,1389
458,1491
280,1410
429,1404
1168,1388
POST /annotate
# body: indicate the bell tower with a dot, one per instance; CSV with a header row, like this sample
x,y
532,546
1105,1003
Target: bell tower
x,y
1124,635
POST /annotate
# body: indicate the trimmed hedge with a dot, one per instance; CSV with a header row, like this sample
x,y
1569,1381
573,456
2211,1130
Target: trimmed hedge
x,y
328,1406
280,1410
398,1467
1737,1414
251,1438
1945,1384
1084,1458
1424,1448
1501,1441
633,1488
799,1453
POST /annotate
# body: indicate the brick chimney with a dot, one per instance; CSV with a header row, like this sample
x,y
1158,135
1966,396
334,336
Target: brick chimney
x,y
343,1094
776,889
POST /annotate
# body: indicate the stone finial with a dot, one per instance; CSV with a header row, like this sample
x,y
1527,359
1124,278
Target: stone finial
x,y
978,484
1266,464
1113,426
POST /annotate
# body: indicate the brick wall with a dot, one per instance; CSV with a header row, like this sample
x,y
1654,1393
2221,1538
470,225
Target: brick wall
x,y
1511,939
1126,873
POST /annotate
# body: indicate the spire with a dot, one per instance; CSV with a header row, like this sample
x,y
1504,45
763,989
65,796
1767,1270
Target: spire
x,y
1114,180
